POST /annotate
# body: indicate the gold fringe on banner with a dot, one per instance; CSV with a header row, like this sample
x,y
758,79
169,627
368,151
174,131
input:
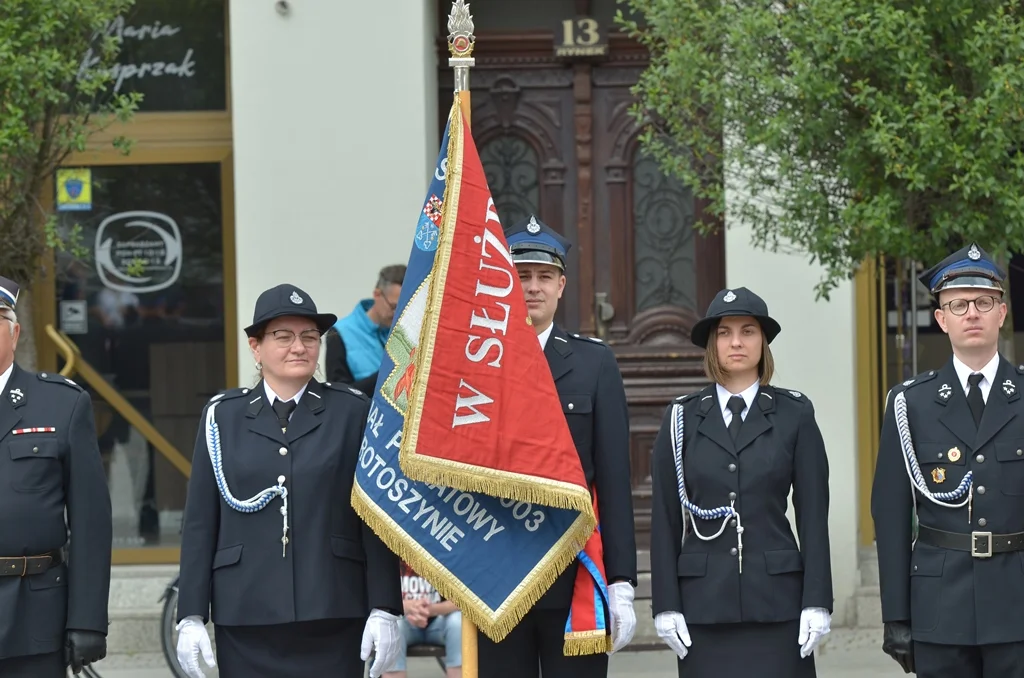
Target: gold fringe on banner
x,y
495,624
459,475
586,642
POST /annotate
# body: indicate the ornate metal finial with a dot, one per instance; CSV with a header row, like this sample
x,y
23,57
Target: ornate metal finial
x,y
460,43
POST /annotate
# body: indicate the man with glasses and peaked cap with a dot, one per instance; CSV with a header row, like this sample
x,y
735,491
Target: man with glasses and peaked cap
x,y
594,402
950,450
53,600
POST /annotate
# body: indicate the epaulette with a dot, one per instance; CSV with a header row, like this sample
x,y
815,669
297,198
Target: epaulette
x,y
57,378
914,381
230,393
345,388
585,338
689,396
795,395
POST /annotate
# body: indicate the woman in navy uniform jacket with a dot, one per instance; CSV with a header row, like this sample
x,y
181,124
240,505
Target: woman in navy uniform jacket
x,y
298,585
731,590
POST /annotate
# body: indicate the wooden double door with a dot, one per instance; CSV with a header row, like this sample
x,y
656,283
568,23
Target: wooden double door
x,y
558,140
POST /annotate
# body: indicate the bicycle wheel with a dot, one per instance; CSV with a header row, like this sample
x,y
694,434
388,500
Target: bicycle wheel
x,y
168,633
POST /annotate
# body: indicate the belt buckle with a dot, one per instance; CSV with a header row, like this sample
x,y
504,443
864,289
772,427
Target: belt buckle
x,y
24,565
987,541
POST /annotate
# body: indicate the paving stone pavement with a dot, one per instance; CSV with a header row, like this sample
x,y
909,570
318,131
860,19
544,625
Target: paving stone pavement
x,y
846,655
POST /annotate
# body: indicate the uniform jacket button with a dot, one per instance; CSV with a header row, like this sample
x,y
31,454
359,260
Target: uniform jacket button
x,y
982,522
732,468
571,406
35,450
980,458
981,489
283,451
733,551
732,495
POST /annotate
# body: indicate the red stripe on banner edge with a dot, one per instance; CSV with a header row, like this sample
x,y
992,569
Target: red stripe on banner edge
x,y
495,624
460,475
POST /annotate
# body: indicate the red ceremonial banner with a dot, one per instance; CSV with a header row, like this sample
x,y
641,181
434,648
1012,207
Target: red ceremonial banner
x,y
483,412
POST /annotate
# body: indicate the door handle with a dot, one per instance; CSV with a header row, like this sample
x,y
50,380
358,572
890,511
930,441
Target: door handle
x,y
603,312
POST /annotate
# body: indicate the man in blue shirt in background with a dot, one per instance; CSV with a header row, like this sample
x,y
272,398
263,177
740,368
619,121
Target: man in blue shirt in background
x,y
355,345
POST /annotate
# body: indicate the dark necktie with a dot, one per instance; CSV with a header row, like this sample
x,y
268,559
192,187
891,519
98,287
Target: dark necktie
x,y
974,399
735,405
283,409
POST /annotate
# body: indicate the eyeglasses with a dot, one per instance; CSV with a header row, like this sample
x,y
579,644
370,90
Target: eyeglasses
x,y
284,338
984,304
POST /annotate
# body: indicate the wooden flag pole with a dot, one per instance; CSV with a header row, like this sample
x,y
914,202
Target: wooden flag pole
x,y
460,44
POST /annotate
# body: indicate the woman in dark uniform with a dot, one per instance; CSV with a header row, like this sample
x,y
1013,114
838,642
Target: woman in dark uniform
x,y
298,585
732,594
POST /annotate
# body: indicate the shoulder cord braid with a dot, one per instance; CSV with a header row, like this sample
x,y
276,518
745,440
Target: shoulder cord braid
x,y
689,508
255,503
917,481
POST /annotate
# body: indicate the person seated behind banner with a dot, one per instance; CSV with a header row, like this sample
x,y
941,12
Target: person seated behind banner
x,y
355,344
428,620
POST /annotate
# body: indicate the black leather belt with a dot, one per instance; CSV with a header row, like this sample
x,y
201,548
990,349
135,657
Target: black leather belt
x,y
24,566
978,544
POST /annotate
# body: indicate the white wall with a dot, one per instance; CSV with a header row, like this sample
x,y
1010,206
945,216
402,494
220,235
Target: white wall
x,y
814,354
335,134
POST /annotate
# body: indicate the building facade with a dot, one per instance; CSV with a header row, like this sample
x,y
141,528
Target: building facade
x,y
293,141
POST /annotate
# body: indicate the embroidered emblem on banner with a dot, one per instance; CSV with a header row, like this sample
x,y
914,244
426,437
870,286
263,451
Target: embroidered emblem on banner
x,y
433,210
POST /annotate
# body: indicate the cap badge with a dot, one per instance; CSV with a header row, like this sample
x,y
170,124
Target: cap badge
x,y
973,253
729,297
954,454
295,298
533,227
939,475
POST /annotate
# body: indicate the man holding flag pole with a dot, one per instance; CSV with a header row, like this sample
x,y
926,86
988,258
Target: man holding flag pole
x,y
469,469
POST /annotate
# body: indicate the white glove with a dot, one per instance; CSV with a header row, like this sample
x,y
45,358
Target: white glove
x,y
193,639
620,604
815,624
671,627
382,636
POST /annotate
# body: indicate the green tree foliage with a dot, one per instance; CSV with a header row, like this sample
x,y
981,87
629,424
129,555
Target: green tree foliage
x,y
55,71
844,128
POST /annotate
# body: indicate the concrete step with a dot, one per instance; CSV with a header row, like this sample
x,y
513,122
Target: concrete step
x,y
867,608
868,565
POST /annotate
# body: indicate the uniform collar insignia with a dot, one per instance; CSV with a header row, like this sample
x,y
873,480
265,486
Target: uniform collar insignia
x,y
945,391
16,396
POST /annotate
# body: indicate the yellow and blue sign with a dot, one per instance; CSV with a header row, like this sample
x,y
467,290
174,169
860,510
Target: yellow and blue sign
x,y
74,189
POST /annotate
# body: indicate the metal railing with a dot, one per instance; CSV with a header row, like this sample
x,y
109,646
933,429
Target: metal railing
x,y
74,363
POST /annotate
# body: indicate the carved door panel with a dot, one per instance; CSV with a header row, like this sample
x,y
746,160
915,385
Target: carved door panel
x,y
522,127
654,275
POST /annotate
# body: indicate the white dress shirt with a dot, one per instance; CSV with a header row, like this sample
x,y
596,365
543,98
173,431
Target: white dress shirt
x,y
543,336
5,377
723,401
988,372
271,396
